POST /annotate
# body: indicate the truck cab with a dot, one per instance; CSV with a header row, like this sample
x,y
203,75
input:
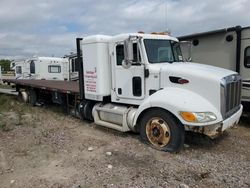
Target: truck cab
x,y
139,82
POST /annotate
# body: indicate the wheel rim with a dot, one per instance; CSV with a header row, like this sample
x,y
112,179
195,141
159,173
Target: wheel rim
x,y
158,132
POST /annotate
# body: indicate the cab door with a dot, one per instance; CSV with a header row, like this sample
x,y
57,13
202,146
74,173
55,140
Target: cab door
x,y
129,81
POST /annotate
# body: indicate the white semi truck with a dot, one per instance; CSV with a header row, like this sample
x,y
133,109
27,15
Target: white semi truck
x,y
139,82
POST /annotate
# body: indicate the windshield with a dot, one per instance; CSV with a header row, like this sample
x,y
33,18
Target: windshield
x,y
161,51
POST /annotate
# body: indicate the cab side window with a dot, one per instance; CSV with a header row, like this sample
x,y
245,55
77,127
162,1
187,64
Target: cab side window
x,y
247,57
120,53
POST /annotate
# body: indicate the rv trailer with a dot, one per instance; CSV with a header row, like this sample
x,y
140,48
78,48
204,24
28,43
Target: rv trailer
x,y
21,68
41,68
228,48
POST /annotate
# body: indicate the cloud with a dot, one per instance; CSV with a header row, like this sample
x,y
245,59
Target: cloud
x,y
45,27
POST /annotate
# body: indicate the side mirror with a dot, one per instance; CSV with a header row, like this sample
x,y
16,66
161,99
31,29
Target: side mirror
x,y
128,51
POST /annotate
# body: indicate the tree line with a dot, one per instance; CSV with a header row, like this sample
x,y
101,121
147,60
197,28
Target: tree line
x,y
5,65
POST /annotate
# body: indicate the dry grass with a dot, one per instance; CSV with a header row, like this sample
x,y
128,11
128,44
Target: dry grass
x,y
5,86
10,103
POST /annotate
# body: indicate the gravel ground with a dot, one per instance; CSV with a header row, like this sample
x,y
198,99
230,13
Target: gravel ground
x,y
40,147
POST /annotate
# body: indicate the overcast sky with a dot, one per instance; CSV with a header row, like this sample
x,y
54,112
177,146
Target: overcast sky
x,y
49,27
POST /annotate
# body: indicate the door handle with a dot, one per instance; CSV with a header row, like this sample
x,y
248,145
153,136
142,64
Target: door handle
x,y
119,91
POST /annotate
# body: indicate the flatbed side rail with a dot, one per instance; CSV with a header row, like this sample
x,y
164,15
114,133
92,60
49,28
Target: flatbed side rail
x,y
70,87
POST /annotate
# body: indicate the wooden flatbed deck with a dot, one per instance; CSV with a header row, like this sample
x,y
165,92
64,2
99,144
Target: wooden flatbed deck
x,y
52,85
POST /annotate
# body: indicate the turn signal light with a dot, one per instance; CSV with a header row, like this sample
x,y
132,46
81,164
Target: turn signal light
x,y
198,117
188,116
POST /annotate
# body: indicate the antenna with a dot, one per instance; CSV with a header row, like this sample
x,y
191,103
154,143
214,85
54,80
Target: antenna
x,y
166,29
166,15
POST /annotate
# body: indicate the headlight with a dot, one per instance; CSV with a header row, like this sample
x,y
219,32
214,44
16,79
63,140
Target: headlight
x,y
198,117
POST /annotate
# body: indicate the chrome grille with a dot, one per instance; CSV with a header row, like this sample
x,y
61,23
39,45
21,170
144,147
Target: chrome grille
x,y
231,95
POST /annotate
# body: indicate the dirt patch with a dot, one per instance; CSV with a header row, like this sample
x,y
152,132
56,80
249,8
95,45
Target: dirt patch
x,y
45,148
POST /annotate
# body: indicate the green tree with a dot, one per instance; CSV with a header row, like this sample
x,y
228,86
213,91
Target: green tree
x,y
5,64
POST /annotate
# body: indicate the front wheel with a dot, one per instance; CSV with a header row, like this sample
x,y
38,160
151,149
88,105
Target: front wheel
x,y
162,131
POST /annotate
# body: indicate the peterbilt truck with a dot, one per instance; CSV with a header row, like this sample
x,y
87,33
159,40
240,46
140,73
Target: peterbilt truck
x,y
139,82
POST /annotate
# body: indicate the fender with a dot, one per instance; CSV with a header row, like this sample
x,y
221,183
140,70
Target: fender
x,y
175,100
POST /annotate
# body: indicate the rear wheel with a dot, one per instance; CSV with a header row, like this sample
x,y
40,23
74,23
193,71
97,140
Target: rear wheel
x,y
162,131
85,110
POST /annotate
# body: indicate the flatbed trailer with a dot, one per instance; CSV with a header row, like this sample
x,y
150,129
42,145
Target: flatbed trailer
x,y
69,87
65,93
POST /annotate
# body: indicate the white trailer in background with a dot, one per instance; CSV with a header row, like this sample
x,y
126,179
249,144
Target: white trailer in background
x,y
49,68
21,68
227,48
42,68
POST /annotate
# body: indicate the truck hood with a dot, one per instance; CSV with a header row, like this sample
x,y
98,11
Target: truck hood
x,y
204,80
190,69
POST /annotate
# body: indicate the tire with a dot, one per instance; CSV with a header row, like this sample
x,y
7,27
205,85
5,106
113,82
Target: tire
x,y
85,109
162,131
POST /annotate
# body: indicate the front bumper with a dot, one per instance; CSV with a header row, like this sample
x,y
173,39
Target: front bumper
x,y
215,130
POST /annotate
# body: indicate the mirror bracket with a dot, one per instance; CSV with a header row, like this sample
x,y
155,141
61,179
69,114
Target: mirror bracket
x,y
129,51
